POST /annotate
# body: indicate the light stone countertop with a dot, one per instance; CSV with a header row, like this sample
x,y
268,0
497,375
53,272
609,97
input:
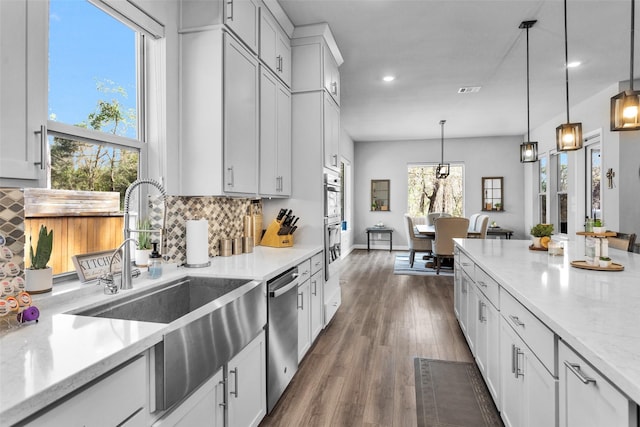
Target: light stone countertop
x,y
594,312
42,362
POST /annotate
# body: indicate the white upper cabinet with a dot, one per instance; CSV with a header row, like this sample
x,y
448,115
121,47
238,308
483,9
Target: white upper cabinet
x,y
331,134
275,136
23,85
315,67
331,74
240,16
219,115
275,47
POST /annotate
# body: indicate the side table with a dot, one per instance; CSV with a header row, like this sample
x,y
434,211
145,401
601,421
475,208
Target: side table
x,y
379,230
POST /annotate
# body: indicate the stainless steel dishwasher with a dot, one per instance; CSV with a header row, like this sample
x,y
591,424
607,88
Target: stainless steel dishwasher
x,y
282,336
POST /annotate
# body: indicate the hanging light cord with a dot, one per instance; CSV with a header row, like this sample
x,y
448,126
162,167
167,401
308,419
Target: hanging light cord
x,y
528,126
442,122
633,14
566,57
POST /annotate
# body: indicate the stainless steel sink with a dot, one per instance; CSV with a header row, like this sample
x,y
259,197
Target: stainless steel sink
x,y
231,313
168,303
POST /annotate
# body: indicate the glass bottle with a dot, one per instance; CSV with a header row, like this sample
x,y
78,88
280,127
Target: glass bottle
x,y
155,263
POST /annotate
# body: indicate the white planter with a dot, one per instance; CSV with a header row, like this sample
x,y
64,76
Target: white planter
x,y
599,229
604,264
536,242
142,257
38,281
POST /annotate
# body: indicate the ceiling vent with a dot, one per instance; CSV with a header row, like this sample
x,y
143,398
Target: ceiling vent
x,y
469,89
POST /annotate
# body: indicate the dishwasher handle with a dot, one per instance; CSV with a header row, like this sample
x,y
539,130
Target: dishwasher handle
x,y
286,288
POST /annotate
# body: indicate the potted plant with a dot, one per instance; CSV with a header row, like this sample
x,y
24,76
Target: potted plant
x,y
39,276
541,235
605,261
598,226
498,206
143,247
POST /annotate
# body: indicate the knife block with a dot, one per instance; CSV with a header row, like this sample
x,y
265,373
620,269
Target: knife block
x,y
272,239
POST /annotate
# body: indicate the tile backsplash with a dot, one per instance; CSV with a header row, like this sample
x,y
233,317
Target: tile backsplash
x,y
225,216
12,226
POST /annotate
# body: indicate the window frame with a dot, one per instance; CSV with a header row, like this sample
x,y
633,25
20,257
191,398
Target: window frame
x,y
556,204
542,199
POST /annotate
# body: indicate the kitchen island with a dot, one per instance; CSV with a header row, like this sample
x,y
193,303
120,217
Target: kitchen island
x,y
41,363
548,308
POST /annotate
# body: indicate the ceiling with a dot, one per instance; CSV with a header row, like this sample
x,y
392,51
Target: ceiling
x,y
435,47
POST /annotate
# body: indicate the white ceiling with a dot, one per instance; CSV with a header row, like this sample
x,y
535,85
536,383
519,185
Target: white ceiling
x,y
434,47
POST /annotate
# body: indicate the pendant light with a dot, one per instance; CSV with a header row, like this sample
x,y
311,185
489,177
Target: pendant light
x,y
528,149
568,135
442,171
624,106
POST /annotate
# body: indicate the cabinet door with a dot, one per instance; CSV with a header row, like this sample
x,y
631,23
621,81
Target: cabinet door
x,y
472,316
457,289
275,47
205,407
247,385
588,399
528,390
464,302
331,134
241,16
331,74
240,119
304,319
492,364
275,136
23,85
283,53
316,304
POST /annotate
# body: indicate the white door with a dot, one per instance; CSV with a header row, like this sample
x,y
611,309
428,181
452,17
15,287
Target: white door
x,y
247,385
316,304
242,17
304,328
240,119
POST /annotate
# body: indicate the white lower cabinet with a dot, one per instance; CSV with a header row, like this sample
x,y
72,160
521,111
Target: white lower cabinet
x,y
487,345
247,384
105,401
586,398
468,310
316,304
528,390
205,407
304,311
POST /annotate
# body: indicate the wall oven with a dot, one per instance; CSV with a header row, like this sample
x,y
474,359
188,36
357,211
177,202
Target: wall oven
x,y
332,222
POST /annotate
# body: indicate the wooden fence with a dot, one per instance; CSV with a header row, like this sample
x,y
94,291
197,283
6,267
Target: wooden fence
x,y
74,235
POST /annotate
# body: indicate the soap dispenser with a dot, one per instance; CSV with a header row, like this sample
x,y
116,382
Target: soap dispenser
x,y
155,262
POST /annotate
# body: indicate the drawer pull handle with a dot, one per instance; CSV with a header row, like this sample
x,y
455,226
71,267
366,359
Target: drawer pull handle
x,y
481,283
515,320
466,264
235,381
481,316
575,368
515,362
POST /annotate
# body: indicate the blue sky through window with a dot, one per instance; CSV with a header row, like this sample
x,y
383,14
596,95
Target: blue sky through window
x,y
87,47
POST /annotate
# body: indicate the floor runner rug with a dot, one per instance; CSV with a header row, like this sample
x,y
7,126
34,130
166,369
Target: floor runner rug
x,y
452,394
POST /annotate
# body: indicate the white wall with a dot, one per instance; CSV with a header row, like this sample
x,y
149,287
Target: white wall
x,y
486,156
594,116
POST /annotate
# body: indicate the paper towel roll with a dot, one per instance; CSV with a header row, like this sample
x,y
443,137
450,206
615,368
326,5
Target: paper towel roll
x,y
197,242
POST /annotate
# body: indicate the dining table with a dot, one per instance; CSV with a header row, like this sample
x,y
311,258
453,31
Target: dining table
x,y
430,231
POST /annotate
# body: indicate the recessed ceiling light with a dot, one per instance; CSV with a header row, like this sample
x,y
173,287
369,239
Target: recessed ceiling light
x,y
574,64
388,78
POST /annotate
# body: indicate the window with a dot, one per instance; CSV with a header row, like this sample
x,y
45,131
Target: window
x,y
96,120
593,180
95,115
542,190
562,185
428,194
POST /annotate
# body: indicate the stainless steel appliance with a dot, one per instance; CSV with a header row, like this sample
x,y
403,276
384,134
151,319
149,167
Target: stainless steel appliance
x,y
332,219
282,336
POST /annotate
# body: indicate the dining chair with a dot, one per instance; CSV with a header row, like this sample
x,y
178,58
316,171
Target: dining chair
x,y
472,221
622,241
447,229
433,215
482,224
417,243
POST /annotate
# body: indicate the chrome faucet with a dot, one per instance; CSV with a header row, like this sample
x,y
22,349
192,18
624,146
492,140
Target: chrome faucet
x,y
109,279
126,282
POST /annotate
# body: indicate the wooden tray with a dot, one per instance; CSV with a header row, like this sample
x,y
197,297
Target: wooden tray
x,y
604,234
583,264
533,248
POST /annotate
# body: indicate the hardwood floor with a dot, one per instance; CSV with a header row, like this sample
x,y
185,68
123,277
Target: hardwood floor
x,y
360,371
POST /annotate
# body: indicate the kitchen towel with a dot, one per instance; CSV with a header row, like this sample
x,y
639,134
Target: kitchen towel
x,y
197,241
